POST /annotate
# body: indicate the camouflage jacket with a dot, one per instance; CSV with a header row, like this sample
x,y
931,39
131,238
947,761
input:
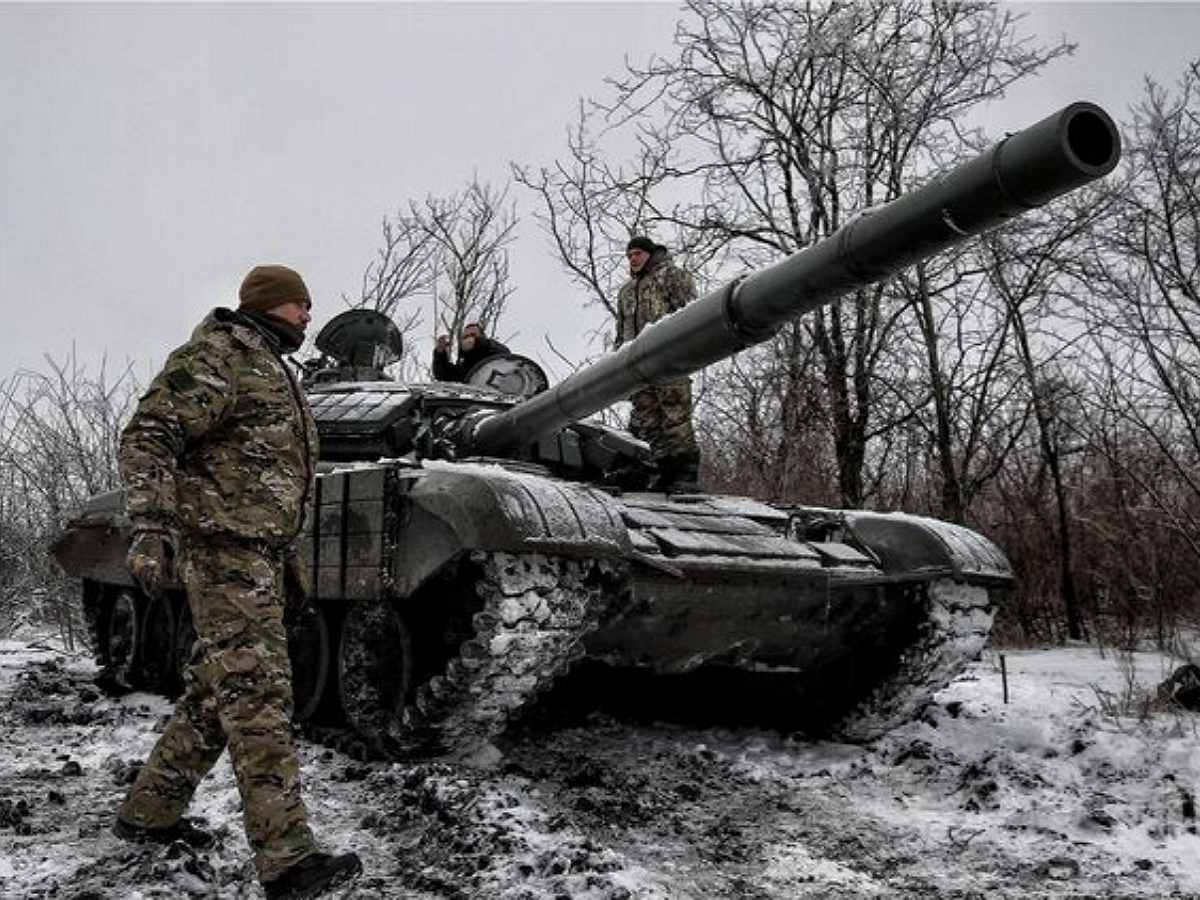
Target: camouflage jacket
x,y
222,443
658,290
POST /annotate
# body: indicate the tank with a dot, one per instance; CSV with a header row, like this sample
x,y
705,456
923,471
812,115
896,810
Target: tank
x,y
475,546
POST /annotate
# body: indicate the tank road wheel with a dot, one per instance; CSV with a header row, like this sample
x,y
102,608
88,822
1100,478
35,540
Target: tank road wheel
x,y
308,648
121,633
157,666
374,670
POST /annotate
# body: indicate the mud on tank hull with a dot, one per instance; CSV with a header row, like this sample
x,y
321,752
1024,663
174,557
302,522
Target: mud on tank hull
x,y
451,596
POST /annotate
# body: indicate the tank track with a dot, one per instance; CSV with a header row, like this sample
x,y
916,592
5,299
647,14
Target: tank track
x,y
536,611
957,624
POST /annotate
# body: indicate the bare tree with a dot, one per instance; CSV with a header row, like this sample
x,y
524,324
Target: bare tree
x,y
59,433
399,271
772,125
1022,274
997,344
443,263
589,211
1142,314
1150,267
469,235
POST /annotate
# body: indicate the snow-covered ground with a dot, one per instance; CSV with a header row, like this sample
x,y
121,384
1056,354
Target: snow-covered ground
x,y
1065,791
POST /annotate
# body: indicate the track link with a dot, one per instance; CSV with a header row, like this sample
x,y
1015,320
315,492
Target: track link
x,y
536,611
957,624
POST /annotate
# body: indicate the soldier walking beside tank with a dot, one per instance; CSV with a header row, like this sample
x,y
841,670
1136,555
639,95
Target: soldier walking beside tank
x,y
218,461
662,414
474,346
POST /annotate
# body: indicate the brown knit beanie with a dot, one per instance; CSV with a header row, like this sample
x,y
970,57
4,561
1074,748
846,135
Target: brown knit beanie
x,y
266,287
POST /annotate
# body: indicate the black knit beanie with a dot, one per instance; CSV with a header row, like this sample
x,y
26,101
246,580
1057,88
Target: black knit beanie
x,y
641,242
266,287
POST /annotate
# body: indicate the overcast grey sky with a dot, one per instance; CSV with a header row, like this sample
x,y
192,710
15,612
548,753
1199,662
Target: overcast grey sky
x,y
150,154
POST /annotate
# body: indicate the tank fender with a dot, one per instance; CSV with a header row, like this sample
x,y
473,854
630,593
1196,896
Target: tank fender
x,y
93,550
907,544
451,507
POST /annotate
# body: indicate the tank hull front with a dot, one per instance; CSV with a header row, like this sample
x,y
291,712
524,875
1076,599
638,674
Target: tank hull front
x,y
710,608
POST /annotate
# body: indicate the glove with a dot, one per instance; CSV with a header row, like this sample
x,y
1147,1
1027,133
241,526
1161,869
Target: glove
x,y
151,561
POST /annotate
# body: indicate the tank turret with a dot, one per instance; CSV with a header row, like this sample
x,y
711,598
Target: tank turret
x,y
469,554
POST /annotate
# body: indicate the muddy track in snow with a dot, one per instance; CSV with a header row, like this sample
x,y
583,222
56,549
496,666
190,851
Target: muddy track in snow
x,y
593,809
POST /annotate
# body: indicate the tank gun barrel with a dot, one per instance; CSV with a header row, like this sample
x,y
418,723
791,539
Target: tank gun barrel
x,y
1064,151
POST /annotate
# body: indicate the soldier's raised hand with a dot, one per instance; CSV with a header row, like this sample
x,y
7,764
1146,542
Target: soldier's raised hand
x,y
151,561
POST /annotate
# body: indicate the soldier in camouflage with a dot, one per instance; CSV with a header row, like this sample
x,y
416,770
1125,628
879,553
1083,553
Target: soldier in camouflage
x,y
218,461
662,414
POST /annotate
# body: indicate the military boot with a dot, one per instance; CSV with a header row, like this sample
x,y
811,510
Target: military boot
x,y
313,876
112,684
680,473
630,475
185,830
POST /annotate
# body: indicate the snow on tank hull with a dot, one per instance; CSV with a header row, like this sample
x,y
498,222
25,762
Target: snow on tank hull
x,y
736,611
800,619
712,609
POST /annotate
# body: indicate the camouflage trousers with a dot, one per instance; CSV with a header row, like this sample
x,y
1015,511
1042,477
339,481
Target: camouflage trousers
x,y
662,416
238,694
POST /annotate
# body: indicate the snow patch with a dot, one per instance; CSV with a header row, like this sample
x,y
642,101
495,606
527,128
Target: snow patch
x,y
1056,794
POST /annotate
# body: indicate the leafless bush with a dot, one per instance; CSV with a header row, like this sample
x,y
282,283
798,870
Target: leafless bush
x,y
1133,699
59,432
443,263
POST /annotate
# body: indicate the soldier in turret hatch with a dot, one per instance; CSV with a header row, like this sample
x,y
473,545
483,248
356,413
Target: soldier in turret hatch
x,y
219,459
662,414
474,346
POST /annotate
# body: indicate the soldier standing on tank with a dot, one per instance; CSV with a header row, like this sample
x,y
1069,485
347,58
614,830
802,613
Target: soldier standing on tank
x,y
662,413
474,346
218,461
